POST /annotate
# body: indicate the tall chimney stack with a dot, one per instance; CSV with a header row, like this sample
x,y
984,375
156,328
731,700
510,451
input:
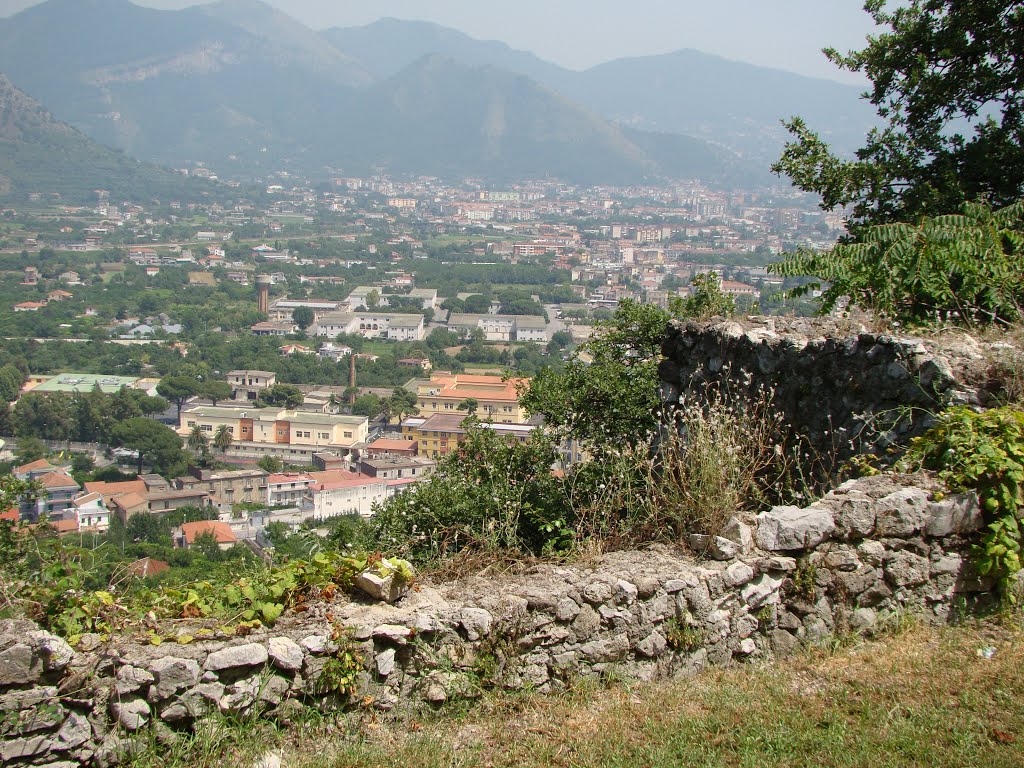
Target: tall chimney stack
x,y
263,293
352,378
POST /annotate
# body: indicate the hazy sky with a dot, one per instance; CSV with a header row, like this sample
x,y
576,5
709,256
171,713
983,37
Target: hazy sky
x,y
788,34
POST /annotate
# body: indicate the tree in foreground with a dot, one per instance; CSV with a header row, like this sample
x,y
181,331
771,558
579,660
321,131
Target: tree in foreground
x,y
966,268
924,242
607,393
948,82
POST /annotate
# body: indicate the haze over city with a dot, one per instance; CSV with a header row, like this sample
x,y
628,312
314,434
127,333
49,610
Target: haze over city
x,y
787,34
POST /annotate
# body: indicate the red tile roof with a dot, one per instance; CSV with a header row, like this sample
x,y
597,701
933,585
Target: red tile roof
x,y
32,466
221,531
57,480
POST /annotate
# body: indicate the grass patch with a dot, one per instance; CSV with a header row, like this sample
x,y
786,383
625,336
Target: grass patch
x,y
922,697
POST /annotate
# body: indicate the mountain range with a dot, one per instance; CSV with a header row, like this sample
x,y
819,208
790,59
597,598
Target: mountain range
x,y
243,87
41,154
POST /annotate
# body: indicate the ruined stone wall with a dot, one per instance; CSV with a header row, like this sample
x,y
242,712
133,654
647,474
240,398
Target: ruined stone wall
x,y
846,391
871,549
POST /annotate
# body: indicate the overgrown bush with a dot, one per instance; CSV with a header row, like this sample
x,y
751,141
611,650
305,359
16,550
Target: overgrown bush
x,y
489,493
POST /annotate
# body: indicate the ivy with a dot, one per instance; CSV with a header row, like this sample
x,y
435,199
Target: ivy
x,y
983,452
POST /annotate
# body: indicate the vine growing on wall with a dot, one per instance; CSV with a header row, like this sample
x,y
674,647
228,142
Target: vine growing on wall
x,y
984,452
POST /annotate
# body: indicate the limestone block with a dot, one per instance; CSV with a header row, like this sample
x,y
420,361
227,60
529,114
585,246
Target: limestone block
x,y
171,675
739,532
958,513
905,569
586,623
652,646
285,653
386,662
130,679
902,513
605,650
854,513
567,609
131,714
248,655
476,622
792,528
715,547
738,574
624,593
764,590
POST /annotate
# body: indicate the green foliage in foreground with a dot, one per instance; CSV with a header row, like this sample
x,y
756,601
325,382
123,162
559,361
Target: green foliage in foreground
x,y
984,452
51,581
966,268
946,80
607,393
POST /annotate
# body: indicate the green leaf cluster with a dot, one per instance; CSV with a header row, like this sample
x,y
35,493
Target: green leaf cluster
x,y
984,452
946,81
967,268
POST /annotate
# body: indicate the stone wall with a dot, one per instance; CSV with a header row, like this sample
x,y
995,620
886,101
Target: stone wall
x,y
872,548
846,391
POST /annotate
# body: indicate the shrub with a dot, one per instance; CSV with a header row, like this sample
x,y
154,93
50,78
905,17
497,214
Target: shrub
x,y
490,493
967,268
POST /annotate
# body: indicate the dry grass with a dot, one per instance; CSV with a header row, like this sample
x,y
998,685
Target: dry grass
x,y
923,697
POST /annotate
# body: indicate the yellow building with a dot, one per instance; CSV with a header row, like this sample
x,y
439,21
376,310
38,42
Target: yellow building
x,y
287,434
497,400
441,433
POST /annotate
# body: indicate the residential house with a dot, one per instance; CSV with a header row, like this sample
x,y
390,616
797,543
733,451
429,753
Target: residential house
x,y
247,385
273,329
397,467
226,487
333,351
441,433
91,513
287,489
185,537
371,325
339,492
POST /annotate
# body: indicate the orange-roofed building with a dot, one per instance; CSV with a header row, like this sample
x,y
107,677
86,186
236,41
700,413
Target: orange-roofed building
x,y
33,469
11,515
340,492
127,505
63,527
109,490
389,447
220,531
496,399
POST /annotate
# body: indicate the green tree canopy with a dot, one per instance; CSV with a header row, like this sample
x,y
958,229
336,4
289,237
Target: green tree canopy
x,y
948,81
215,390
608,392
178,389
280,396
706,301
303,317
154,442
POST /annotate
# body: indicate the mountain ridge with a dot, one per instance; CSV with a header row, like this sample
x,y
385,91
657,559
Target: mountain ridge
x,y
41,154
242,86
